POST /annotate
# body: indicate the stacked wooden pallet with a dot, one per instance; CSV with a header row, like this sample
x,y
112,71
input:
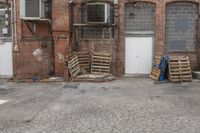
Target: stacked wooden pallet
x,y
100,63
179,69
84,61
73,65
155,73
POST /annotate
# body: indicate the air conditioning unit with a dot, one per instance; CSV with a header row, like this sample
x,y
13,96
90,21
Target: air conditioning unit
x,y
34,9
98,13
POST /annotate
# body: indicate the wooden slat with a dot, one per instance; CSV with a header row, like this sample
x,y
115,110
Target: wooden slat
x,y
101,62
157,60
179,69
84,61
155,73
73,65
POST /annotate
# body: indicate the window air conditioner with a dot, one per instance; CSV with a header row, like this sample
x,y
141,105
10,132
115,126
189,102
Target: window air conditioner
x,y
34,9
98,13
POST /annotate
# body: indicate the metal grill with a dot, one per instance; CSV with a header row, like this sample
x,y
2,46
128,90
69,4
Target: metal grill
x,y
32,8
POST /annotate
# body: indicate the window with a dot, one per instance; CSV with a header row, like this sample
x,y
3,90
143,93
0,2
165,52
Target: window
x,y
96,13
5,13
140,16
181,26
96,32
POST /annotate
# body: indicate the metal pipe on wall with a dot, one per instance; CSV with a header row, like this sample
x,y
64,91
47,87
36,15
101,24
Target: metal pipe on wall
x,y
14,37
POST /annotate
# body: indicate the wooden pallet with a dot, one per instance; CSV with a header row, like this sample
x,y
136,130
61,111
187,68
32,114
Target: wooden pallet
x,y
179,69
155,73
157,60
84,61
73,65
100,63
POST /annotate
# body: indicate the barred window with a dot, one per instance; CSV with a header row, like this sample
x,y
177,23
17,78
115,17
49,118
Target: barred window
x,y
181,26
5,20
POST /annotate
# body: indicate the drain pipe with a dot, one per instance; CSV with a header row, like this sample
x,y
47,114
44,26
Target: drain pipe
x,y
14,34
70,4
15,46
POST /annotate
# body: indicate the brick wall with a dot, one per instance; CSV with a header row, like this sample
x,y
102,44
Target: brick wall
x,y
35,58
60,30
160,39
42,53
62,42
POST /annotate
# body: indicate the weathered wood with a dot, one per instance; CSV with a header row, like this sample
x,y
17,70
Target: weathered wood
x,y
100,62
157,60
179,69
84,61
155,73
73,65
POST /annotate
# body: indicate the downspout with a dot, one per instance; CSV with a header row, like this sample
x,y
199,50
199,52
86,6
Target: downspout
x,y
14,34
71,17
15,46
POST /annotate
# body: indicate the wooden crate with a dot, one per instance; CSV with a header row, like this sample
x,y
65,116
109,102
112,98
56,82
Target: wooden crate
x,y
73,65
101,63
179,69
155,73
84,61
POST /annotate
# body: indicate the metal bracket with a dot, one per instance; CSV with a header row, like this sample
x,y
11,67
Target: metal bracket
x,y
32,28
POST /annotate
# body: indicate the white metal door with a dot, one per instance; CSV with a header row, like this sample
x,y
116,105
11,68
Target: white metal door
x,y
6,60
138,55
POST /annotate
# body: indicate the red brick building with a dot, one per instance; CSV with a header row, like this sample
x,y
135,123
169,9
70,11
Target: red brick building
x,y
137,31
42,44
140,30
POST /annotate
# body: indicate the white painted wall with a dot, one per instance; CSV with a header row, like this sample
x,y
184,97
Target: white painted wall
x,y
6,60
138,55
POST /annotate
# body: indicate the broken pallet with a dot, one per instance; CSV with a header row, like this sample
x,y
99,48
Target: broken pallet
x,y
73,65
155,73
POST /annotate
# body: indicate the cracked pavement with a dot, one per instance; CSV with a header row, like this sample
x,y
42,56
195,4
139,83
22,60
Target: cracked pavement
x,y
127,105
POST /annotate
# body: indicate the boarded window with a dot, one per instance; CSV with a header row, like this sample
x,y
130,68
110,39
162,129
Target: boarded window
x,y
5,18
139,16
181,26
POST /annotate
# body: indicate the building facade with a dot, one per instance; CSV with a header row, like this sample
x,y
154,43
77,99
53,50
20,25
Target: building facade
x,y
6,37
42,45
137,31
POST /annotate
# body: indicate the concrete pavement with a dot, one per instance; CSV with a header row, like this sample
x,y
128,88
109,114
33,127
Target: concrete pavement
x,y
128,105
